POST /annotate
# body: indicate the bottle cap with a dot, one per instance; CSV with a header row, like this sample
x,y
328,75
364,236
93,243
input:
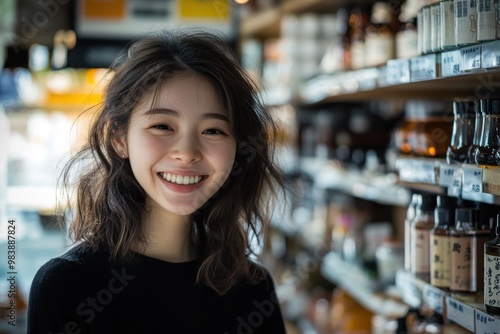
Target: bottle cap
x,y
490,106
427,202
444,214
468,216
466,108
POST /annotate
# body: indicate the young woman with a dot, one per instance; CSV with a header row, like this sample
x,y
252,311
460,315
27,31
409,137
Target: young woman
x,y
177,174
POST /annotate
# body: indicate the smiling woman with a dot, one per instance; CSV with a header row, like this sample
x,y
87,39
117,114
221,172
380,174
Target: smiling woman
x,y
181,172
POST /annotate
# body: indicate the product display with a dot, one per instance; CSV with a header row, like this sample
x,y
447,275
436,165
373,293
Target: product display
x,y
463,132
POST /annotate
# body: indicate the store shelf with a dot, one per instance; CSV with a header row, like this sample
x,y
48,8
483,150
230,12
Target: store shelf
x,y
369,186
465,310
266,24
360,286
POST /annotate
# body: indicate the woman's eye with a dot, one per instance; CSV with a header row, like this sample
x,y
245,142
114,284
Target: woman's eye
x,y
213,132
161,127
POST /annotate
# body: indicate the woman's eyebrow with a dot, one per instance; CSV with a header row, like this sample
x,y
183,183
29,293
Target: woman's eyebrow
x,y
171,112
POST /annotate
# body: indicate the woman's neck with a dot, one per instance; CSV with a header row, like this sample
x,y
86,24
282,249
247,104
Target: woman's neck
x,y
169,237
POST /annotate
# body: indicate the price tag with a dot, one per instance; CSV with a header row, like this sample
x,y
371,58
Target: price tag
x,y
450,63
460,313
434,298
423,67
426,172
412,293
398,71
486,324
473,180
490,54
471,58
446,175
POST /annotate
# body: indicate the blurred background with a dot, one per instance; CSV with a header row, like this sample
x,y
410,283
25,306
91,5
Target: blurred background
x,y
376,102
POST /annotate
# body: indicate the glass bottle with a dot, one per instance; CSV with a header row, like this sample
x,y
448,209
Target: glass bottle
x,y
444,217
358,19
478,132
465,22
379,35
421,228
433,132
462,133
410,215
467,251
447,24
486,151
407,39
492,273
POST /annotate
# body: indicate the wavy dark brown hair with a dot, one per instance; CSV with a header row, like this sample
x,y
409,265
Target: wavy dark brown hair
x,y
110,205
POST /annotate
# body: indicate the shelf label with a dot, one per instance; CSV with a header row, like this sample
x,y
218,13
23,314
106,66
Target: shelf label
x,y
412,293
473,180
450,63
486,324
434,298
451,176
398,71
427,172
423,67
490,54
471,58
460,313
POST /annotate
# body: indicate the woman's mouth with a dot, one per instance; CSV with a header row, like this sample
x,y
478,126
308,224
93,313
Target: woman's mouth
x,y
181,179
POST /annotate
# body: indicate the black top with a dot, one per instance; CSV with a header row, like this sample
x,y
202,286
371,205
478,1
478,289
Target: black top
x,y
81,292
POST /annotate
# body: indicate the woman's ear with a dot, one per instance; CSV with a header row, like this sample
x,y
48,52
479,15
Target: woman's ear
x,y
120,145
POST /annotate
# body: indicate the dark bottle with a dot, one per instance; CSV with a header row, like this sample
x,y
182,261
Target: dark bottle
x,y
462,133
489,144
421,228
440,256
467,251
478,133
492,273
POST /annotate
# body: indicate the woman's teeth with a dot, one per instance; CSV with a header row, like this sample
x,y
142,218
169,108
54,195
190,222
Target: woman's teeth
x,y
179,179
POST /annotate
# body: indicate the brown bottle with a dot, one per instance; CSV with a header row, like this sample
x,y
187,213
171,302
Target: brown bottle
x,y
444,216
492,273
420,237
467,251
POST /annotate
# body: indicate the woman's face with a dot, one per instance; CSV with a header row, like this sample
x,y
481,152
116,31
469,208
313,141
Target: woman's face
x,y
180,145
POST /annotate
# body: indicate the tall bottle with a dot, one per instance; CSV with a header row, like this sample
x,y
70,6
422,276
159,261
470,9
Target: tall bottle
x,y
492,273
467,251
478,132
421,228
410,215
462,133
489,144
444,216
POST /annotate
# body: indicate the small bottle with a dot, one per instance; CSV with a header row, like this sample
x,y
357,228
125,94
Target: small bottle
x,y
435,26
486,20
421,228
485,154
447,24
410,215
407,39
478,132
492,273
433,132
462,133
380,34
467,251
444,216
465,22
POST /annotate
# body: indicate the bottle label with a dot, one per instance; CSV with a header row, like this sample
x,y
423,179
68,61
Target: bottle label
x,y
486,20
440,260
492,280
379,48
420,253
447,24
467,255
465,22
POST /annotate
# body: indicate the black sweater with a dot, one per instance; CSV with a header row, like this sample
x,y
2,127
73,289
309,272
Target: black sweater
x,y
81,292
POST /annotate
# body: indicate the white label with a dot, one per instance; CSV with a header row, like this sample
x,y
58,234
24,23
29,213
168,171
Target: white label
x,y
486,20
420,252
446,173
490,54
435,27
450,63
423,67
465,22
398,71
460,313
471,58
473,180
492,280
447,24
379,48
434,298
427,172
486,324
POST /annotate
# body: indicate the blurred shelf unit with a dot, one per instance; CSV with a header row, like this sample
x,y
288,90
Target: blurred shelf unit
x,y
376,187
266,23
468,71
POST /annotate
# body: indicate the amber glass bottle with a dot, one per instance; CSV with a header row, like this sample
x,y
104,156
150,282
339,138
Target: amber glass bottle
x,y
420,237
